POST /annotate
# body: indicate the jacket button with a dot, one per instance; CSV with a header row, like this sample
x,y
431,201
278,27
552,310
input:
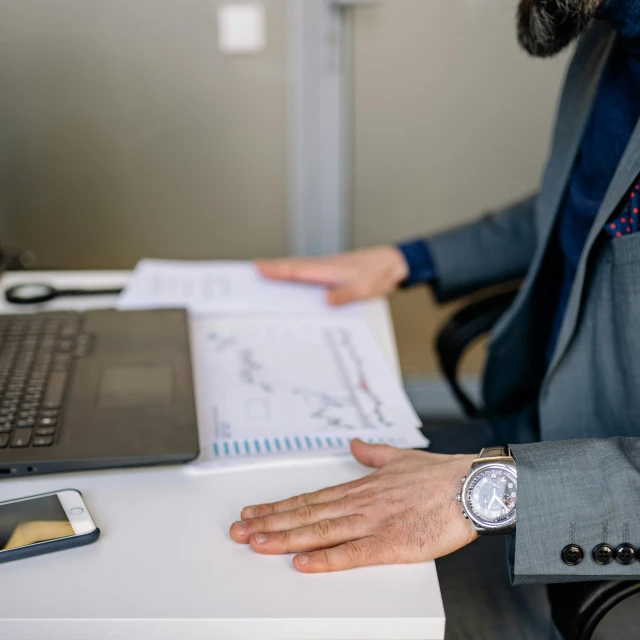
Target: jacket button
x,y
626,554
572,555
603,554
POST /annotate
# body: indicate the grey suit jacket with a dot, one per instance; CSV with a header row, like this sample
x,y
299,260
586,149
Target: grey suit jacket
x,y
581,483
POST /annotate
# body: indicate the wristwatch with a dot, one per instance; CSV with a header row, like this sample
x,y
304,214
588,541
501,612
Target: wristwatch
x,y
489,492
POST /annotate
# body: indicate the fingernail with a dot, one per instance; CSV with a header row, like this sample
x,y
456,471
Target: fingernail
x,y
260,538
248,512
240,528
303,559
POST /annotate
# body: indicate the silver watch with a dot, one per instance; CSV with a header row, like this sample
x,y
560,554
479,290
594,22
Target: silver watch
x,y
490,491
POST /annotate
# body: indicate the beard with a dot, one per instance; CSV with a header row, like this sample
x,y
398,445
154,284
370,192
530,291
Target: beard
x,y
546,27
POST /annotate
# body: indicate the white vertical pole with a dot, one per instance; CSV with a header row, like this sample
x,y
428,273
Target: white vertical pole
x,y
319,131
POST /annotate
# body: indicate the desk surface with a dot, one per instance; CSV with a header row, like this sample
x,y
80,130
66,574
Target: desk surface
x,y
165,566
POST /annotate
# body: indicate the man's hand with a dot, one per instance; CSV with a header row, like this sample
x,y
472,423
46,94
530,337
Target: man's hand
x,y
404,512
358,275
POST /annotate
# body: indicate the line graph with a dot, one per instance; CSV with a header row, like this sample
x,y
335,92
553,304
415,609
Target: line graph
x,y
251,370
326,409
352,367
300,377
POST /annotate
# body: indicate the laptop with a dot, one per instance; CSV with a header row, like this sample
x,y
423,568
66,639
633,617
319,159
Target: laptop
x,y
95,390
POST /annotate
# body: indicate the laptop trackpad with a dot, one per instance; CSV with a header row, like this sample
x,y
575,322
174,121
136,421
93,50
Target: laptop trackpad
x,y
133,386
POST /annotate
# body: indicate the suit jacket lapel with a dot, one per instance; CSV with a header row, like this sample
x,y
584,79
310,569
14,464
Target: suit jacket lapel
x,y
582,83
626,174
583,78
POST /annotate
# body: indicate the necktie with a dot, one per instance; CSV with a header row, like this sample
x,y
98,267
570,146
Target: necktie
x,y
627,221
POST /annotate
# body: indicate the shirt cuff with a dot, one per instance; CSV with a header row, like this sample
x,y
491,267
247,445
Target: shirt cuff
x,y
422,269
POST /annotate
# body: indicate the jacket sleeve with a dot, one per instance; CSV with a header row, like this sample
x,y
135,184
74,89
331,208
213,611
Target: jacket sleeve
x,y
576,492
497,248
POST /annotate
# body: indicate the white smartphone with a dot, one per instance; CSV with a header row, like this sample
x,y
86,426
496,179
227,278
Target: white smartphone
x,y
45,523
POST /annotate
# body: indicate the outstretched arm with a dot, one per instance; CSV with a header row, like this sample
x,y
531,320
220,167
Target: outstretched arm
x,y
497,248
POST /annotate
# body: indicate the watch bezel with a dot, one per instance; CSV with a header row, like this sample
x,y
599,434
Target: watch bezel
x,y
479,524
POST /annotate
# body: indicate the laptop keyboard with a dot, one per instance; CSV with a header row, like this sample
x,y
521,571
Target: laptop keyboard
x,y
36,355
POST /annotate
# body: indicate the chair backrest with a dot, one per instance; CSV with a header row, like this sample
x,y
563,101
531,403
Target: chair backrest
x,y
464,328
577,608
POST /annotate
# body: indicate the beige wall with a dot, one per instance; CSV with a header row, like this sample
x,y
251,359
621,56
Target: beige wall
x,y
450,118
123,124
127,133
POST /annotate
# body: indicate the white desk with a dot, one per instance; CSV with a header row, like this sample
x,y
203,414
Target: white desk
x,y
165,567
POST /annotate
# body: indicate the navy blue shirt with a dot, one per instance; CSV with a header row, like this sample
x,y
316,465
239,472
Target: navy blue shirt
x,y
614,115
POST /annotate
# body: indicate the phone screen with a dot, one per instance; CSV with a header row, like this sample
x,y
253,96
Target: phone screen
x,y
30,521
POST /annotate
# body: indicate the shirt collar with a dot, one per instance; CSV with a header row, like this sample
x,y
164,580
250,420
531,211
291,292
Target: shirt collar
x,y
623,15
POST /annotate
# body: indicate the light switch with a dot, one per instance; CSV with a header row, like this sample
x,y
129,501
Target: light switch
x,y
242,28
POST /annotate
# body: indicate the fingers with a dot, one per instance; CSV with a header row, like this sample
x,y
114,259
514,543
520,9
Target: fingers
x,y
321,535
351,554
316,271
345,295
285,521
258,518
374,455
317,497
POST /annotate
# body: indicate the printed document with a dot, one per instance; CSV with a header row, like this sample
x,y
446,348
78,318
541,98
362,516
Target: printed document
x,y
272,386
221,287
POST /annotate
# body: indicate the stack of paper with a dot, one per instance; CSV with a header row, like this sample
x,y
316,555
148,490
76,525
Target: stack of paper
x,y
281,387
220,287
269,384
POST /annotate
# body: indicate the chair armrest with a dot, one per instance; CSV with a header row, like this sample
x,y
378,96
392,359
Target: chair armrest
x,y
578,607
464,328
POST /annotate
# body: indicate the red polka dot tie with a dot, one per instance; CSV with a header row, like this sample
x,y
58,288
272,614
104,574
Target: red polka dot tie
x,y
628,221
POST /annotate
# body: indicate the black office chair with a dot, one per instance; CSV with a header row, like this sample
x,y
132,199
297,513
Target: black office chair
x,y
576,608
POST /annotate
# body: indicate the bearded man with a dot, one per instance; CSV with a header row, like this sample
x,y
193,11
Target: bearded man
x,y
562,380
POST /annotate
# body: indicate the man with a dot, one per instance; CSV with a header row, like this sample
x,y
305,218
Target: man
x,y
563,369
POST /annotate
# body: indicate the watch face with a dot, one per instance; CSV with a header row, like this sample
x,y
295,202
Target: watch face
x,y
491,494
